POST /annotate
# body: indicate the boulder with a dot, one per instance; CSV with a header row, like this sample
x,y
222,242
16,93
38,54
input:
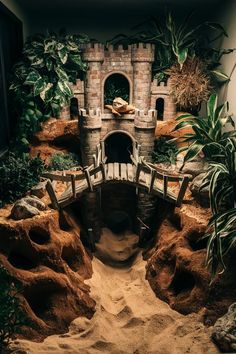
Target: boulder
x,y
39,190
27,207
224,331
201,195
195,167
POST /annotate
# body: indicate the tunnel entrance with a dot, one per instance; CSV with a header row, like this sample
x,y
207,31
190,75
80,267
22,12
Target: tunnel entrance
x,y
118,147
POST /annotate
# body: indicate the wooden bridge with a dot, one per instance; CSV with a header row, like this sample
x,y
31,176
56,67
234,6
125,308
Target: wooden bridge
x,y
139,173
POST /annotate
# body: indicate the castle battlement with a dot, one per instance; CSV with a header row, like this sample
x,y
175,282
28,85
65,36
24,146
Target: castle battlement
x,y
118,48
93,52
92,113
143,52
160,87
145,119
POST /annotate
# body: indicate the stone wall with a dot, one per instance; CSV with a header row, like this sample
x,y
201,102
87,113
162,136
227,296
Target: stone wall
x,y
161,90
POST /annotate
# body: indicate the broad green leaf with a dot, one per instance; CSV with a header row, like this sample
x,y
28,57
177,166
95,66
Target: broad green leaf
x,y
39,86
193,151
62,75
49,45
220,76
32,78
63,55
182,56
212,105
65,88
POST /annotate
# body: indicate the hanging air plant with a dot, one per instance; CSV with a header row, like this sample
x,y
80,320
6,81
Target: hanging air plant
x,y
189,85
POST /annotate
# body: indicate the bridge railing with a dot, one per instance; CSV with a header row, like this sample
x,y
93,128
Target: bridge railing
x,y
165,178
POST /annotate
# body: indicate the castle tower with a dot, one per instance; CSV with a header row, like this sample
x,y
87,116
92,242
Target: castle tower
x,y
94,56
142,58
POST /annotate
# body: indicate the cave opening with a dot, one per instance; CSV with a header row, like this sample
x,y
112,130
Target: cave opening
x,y
182,283
118,147
20,261
39,236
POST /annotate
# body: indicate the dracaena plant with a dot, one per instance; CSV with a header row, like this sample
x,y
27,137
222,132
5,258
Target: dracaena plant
x,y
41,80
221,179
207,132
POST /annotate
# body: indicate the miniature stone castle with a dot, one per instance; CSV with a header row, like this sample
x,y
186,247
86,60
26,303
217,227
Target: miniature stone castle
x,y
97,124
135,64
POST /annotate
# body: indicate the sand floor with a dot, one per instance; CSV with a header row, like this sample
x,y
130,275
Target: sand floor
x,y
129,319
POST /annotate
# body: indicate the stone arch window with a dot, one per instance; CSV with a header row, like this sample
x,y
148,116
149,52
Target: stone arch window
x,y
160,106
116,85
74,108
118,147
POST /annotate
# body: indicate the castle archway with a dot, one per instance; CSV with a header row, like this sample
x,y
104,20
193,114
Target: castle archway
x,y
118,147
160,107
115,85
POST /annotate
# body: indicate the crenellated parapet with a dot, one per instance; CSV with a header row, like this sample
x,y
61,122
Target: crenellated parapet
x,y
162,88
142,52
145,120
93,52
90,118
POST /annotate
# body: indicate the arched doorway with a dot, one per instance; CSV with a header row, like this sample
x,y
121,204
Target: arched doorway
x,y
160,105
118,147
116,85
74,108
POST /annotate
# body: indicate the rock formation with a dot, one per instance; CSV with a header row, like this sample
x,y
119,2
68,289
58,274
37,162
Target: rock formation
x,y
224,331
55,135
176,267
46,255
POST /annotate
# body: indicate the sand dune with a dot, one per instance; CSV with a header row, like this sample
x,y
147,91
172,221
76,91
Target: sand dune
x,y
129,319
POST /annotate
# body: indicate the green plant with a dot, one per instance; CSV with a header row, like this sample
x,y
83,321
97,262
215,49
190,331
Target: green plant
x,y
18,174
164,151
221,179
41,81
207,131
12,317
112,91
60,161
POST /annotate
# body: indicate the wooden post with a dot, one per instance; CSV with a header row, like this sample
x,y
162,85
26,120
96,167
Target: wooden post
x,y
52,195
182,191
153,177
88,178
73,185
165,181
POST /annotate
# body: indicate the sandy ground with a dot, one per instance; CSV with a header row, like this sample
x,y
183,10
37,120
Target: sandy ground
x,y
129,319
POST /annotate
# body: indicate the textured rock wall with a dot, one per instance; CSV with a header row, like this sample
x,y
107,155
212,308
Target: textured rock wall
x,y
177,273
46,255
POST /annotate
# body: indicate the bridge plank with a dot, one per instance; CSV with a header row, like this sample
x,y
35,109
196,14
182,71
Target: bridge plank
x,y
123,171
130,172
116,171
110,171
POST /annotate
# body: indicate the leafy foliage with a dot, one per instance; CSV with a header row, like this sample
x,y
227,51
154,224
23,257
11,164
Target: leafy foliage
x,y
207,131
164,151
61,161
116,86
18,174
40,85
12,318
221,179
